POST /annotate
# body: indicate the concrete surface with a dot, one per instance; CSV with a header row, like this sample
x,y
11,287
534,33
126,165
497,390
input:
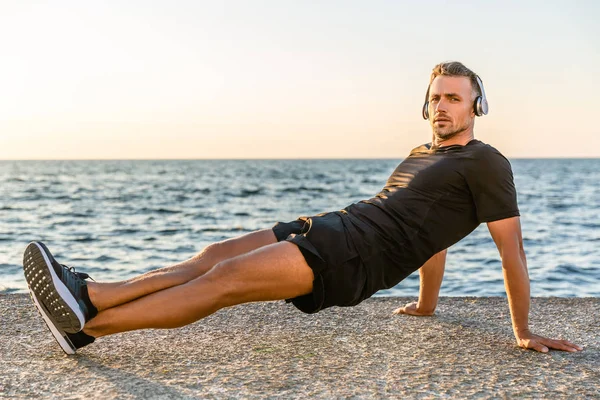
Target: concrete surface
x,y
272,350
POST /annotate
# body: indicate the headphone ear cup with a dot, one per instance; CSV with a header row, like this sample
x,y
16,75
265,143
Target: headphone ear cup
x,y
484,106
426,110
481,105
477,107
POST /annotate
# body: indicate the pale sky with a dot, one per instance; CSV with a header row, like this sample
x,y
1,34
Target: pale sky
x,y
289,78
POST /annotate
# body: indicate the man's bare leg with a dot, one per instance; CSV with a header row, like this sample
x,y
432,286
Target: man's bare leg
x,y
273,272
107,295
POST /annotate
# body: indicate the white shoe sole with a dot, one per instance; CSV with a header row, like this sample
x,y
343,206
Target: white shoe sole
x,y
61,338
50,290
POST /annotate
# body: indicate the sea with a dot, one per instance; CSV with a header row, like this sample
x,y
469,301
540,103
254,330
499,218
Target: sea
x,y
117,219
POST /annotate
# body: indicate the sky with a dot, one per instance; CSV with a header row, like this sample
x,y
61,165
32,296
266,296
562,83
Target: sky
x,y
287,78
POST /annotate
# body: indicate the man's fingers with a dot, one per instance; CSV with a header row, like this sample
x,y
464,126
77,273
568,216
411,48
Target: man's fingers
x,y
562,345
575,346
542,349
399,311
535,345
410,309
543,344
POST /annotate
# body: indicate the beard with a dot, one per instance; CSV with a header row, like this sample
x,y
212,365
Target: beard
x,y
447,132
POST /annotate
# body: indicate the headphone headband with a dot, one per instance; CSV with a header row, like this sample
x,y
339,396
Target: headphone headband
x,y
480,105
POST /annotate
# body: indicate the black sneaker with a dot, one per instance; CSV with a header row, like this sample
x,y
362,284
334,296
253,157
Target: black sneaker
x,y
68,342
59,292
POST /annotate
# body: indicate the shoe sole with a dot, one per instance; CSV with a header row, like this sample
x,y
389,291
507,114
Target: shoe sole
x,y
50,291
60,337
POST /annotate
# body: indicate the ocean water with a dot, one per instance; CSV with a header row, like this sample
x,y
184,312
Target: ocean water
x,y
117,219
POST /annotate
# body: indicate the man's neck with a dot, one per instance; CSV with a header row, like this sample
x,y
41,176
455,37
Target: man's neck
x,y
461,139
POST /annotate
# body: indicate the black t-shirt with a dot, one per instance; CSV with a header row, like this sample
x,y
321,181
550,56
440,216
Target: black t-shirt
x,y
434,198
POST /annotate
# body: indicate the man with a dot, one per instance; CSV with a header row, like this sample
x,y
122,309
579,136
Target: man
x,y
434,198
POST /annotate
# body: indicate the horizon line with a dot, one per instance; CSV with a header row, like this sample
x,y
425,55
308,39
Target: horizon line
x,y
278,159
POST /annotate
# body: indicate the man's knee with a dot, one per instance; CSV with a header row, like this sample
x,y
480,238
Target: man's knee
x,y
225,277
209,251
236,246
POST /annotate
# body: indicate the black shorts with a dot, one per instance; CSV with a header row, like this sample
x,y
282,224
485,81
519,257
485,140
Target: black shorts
x,y
327,247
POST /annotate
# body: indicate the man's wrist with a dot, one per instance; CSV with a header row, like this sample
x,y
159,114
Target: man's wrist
x,y
425,309
521,331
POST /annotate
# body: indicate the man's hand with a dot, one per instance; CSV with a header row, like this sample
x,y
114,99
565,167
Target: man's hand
x,y
430,276
528,340
508,238
413,309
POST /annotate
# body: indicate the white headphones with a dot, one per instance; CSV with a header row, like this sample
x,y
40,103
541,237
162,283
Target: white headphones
x,y
480,105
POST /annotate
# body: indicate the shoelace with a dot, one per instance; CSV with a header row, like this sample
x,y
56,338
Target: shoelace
x,y
81,275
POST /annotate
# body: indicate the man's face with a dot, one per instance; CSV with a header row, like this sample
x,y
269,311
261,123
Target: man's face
x,y
451,105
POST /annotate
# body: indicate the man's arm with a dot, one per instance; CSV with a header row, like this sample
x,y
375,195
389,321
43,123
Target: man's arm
x,y
430,275
507,236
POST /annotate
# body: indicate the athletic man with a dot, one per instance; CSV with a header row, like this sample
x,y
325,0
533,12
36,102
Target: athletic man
x,y
439,194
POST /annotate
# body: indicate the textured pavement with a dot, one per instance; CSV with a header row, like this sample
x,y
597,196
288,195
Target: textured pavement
x,y
270,350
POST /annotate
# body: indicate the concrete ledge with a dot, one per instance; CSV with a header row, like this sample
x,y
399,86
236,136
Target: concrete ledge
x,y
273,350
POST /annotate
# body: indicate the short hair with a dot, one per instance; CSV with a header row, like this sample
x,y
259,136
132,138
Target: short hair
x,y
455,68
